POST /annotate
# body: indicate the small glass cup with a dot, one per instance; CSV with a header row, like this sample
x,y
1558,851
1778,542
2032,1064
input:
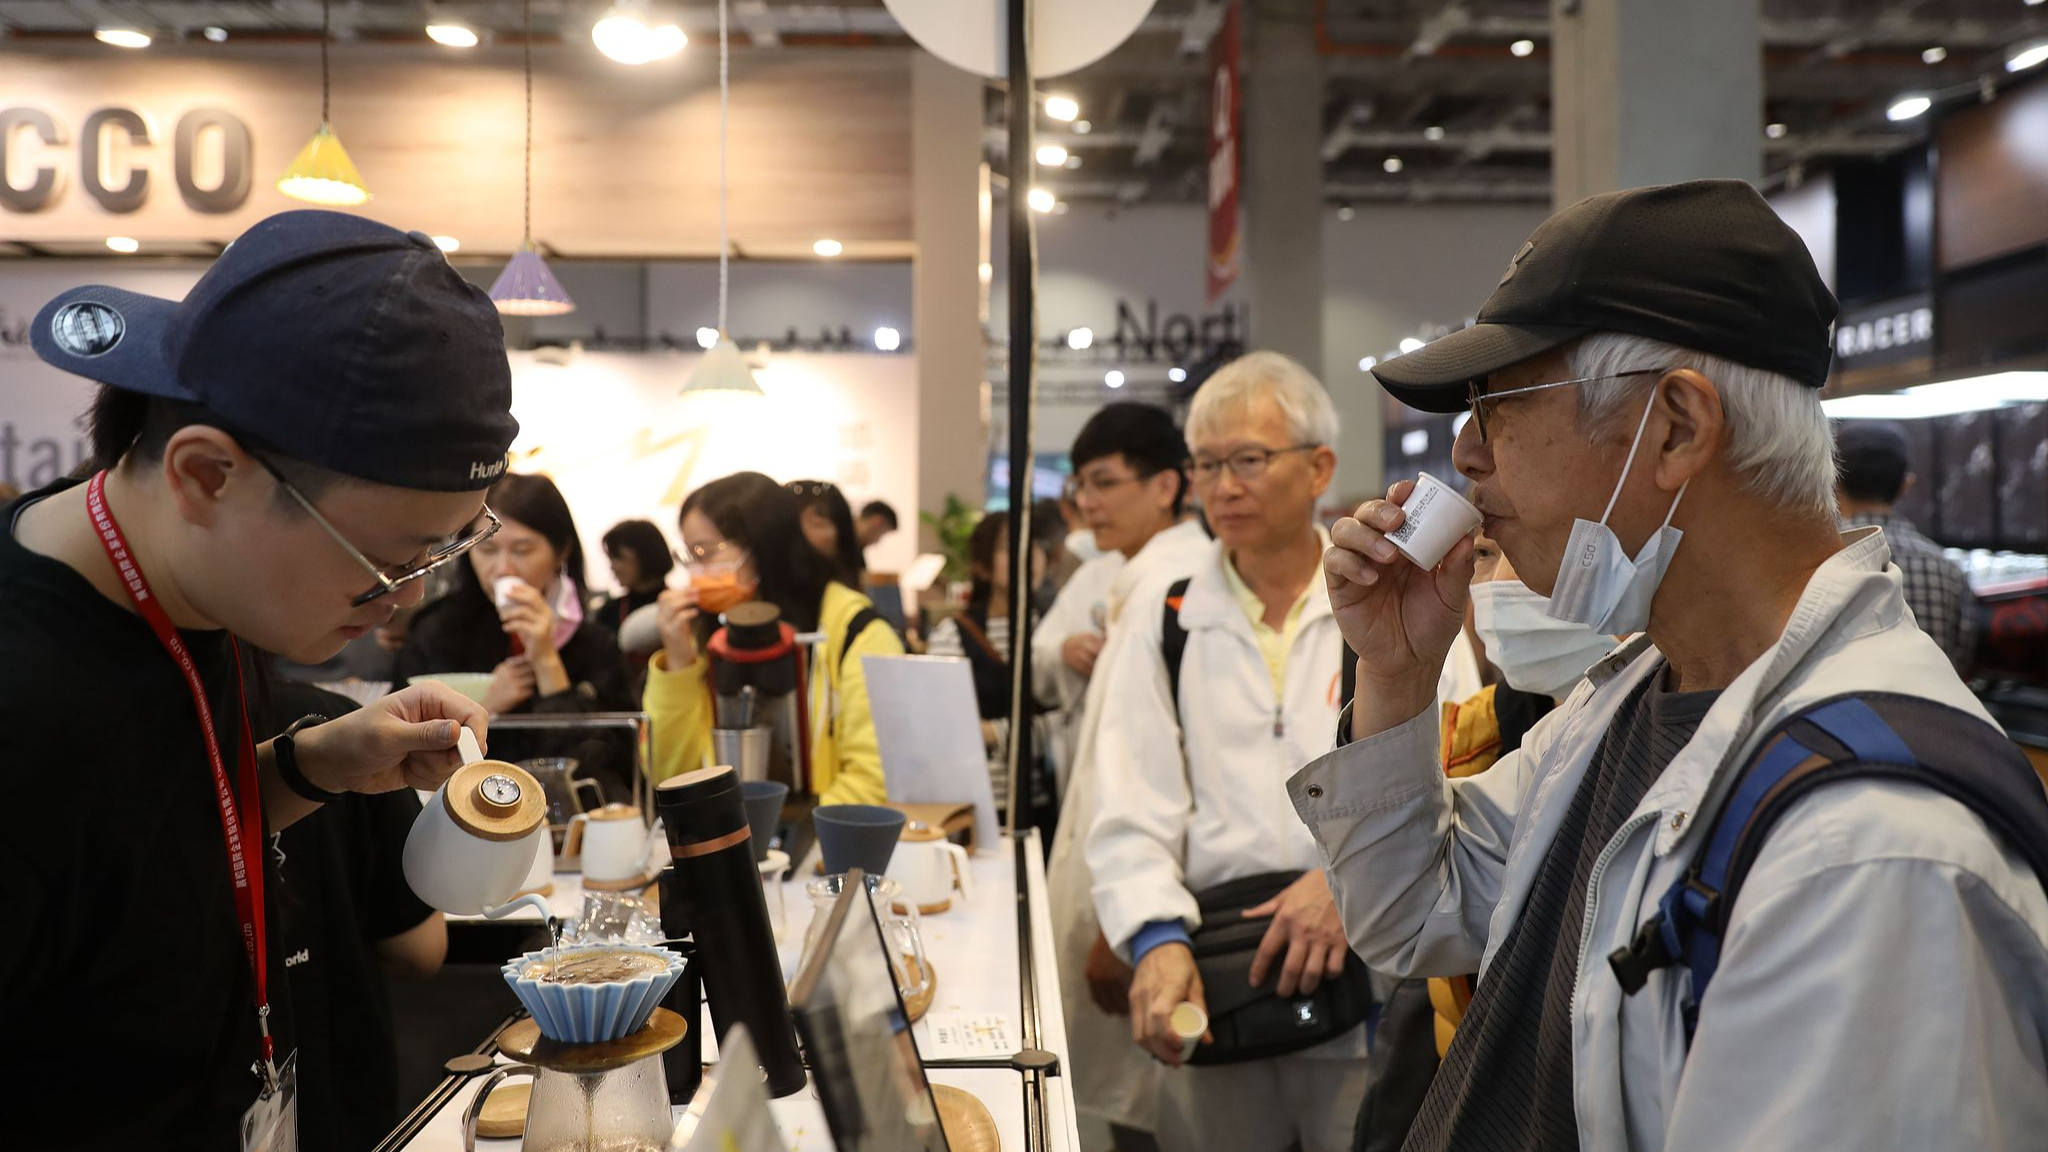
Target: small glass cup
x,y
900,929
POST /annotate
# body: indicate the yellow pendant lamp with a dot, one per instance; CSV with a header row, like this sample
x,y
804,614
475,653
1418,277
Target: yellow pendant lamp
x,y
322,173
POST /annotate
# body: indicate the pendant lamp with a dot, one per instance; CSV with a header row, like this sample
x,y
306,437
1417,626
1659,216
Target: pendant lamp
x,y
526,287
723,368
322,173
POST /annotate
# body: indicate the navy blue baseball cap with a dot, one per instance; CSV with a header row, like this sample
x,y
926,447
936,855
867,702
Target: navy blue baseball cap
x,y
330,338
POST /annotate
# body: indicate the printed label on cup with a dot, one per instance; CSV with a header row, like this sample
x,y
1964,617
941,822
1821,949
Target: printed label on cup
x,y
1436,517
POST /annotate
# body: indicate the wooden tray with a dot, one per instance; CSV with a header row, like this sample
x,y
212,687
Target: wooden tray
x,y
966,1120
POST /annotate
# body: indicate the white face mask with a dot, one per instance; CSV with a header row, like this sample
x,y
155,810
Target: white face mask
x,y
1534,650
1598,585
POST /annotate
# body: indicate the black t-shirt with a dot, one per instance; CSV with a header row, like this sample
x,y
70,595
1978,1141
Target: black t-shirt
x,y
343,891
1506,1082
124,975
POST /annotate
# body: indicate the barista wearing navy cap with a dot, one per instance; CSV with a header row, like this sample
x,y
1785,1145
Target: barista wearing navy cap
x,y
282,456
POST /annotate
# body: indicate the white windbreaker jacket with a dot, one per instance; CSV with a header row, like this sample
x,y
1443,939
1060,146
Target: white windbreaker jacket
x,y
1884,980
1190,797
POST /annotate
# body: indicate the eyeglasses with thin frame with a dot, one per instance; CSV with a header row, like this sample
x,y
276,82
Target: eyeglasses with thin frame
x,y
1099,486
724,554
1475,396
388,582
1245,463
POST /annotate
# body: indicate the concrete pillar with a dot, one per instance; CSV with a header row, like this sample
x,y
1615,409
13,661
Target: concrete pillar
x,y
1283,209
1653,91
1283,179
945,161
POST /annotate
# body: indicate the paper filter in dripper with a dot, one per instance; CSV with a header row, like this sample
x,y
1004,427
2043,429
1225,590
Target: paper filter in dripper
x,y
589,994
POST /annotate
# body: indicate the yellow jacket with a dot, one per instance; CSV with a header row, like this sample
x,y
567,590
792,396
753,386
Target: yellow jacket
x,y
1471,733
846,764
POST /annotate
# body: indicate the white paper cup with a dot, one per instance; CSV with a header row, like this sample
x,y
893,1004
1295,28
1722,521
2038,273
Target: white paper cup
x,y
1437,517
1188,1022
501,590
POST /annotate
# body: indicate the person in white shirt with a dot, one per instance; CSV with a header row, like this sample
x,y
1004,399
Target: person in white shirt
x,y
1198,795
1130,485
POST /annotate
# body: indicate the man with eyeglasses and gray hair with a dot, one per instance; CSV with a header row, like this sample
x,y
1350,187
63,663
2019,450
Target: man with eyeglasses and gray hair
x,y
280,458
1769,877
1218,687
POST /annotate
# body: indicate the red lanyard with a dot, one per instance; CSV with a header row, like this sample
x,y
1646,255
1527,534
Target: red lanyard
x,y
241,826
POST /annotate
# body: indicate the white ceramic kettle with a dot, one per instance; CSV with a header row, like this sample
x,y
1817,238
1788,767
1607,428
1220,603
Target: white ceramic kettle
x,y
613,844
472,845
929,867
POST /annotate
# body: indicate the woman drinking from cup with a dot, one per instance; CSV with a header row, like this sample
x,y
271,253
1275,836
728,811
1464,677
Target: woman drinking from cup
x,y
743,540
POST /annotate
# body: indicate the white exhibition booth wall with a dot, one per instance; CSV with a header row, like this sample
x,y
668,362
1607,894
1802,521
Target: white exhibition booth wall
x,y
612,428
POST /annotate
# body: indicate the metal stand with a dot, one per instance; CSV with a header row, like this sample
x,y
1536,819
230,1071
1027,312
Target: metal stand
x,y
1023,381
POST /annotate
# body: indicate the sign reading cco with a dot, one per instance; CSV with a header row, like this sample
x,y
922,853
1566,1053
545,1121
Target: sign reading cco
x,y
43,186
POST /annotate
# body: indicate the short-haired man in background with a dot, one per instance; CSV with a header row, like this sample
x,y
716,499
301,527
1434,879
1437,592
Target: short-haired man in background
x,y
1194,761
1876,471
876,520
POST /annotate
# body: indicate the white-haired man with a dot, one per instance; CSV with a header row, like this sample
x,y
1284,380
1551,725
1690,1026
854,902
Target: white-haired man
x,y
1216,689
1875,978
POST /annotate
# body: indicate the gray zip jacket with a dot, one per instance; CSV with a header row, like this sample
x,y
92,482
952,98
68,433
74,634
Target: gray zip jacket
x,y
1884,980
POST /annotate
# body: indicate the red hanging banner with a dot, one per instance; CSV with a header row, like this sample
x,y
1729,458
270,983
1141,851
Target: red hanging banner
x,y
1226,234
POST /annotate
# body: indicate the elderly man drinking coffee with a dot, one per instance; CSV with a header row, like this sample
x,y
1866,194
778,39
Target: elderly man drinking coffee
x,y
1648,448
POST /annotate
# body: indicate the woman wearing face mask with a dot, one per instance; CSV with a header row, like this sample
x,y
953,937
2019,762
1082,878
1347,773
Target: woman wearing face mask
x,y
743,540
517,612
1538,660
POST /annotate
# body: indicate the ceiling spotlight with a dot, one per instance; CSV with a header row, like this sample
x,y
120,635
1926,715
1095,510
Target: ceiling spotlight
x,y
1908,107
217,35
124,244
707,338
1081,339
1062,108
2027,56
1433,133
1060,209
1073,162
1392,164
1347,213
1775,131
1113,378
447,243
828,248
1934,55
1083,127
1410,344
1051,155
1041,200
1523,47
625,35
1365,363
452,35
888,339
121,37
1177,374
2034,3
988,272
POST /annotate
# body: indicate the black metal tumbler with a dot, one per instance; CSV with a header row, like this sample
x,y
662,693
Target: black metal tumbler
x,y
718,890
684,1063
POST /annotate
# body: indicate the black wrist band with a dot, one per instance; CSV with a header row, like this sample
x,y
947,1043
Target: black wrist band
x,y
287,753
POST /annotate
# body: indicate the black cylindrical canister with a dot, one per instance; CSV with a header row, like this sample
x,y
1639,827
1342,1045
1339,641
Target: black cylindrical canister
x,y
713,878
684,1063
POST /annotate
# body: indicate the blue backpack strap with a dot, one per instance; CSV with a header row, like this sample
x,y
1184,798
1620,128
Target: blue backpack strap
x,y
1872,735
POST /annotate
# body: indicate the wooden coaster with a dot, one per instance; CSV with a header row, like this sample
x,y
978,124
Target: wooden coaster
x,y
504,1113
966,1120
522,1041
630,883
918,1007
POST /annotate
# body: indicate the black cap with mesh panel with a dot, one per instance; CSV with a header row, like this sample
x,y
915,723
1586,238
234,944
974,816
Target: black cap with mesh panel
x,y
1706,265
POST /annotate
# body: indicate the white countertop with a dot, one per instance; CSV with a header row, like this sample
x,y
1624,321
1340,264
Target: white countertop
x,y
973,948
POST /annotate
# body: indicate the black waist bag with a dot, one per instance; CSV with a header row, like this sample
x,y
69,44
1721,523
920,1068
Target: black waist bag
x,y
1254,1023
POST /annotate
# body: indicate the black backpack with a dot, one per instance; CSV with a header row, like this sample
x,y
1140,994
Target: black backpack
x,y
1868,736
1173,645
